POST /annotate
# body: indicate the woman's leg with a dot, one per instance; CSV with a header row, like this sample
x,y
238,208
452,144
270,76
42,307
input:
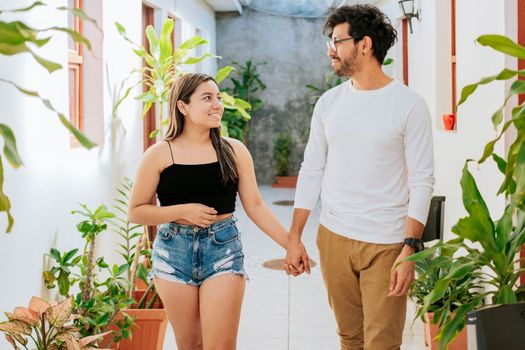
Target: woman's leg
x,y
220,310
182,306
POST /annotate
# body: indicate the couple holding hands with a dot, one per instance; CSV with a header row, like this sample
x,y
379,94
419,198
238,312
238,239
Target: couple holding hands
x,y
369,157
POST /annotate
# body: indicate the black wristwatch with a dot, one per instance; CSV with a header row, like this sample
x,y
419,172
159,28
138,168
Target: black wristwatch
x,y
415,243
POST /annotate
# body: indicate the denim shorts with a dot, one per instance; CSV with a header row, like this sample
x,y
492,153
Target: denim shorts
x,y
190,254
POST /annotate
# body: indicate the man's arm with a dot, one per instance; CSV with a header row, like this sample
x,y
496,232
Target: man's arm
x,y
419,157
307,193
403,274
297,260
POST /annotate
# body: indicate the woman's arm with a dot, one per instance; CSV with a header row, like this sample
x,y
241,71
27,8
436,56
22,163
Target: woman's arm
x,y
251,199
142,205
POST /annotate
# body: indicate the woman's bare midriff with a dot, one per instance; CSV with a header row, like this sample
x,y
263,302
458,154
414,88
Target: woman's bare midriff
x,y
217,218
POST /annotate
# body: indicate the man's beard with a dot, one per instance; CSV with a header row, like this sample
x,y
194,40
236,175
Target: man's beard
x,y
347,65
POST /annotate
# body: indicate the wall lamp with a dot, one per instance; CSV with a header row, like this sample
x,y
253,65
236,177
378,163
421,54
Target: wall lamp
x,y
409,11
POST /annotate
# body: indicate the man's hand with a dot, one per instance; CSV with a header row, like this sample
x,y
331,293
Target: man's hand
x,y
402,275
297,260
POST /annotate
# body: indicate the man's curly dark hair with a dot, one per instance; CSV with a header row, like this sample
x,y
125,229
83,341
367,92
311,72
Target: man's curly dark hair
x,y
364,20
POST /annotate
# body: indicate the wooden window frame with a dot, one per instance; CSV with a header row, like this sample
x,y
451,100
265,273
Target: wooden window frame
x,y
149,122
453,57
404,33
173,32
76,64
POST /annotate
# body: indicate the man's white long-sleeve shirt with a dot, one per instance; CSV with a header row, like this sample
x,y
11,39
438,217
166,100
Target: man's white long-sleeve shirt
x,y
370,155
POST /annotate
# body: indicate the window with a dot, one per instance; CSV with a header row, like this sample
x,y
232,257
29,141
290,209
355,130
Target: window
x,y
149,119
85,73
75,72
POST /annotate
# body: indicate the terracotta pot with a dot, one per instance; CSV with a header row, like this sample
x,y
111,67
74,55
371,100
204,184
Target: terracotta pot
x,y
449,122
149,330
285,182
139,293
432,330
140,285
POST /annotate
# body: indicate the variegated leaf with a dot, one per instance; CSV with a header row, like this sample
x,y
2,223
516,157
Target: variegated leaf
x,y
60,313
32,315
22,318
39,305
15,327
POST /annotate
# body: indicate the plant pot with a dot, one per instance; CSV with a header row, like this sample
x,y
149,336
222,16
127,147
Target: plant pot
x,y
139,293
432,330
449,122
149,330
285,182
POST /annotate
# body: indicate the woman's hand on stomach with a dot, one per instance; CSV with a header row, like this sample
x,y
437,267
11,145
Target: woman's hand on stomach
x,y
200,215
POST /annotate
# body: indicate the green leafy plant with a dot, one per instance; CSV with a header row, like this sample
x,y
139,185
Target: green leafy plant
x,y
246,86
283,145
388,61
16,37
330,81
463,291
45,326
128,233
98,300
164,66
487,249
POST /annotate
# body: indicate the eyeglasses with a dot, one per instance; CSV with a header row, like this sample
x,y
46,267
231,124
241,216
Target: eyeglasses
x,y
332,43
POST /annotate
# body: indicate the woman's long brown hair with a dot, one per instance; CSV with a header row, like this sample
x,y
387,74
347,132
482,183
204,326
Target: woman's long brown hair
x,y
182,90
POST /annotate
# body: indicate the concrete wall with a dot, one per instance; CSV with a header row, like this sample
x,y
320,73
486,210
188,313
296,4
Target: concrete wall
x,y
55,177
295,55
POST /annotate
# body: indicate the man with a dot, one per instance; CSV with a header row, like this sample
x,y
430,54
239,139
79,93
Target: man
x,y
370,156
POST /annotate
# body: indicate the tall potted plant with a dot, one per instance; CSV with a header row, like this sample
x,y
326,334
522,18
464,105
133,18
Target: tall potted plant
x,y
283,145
97,299
149,317
487,249
164,65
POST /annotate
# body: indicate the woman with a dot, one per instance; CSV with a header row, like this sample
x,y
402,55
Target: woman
x,y
198,262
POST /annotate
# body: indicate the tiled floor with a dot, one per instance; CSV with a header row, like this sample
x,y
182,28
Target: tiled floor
x,y
286,313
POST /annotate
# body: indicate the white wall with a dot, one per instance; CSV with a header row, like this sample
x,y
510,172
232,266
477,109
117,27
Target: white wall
x,y
474,124
429,75
55,178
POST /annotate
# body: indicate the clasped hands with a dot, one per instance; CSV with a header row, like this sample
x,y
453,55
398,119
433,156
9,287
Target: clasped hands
x,y
297,260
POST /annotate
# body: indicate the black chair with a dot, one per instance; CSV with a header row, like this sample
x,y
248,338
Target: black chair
x,y
436,216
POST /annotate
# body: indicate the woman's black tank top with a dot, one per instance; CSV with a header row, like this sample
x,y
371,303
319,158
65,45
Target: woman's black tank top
x,y
196,183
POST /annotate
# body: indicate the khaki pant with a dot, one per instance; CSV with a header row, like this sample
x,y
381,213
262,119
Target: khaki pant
x,y
356,275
